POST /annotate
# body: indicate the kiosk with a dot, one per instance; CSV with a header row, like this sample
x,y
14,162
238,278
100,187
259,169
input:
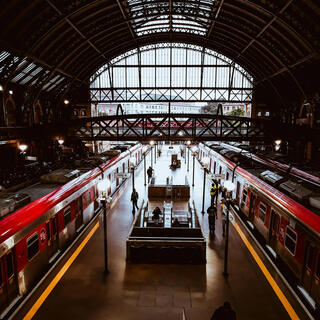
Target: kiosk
x,y
175,236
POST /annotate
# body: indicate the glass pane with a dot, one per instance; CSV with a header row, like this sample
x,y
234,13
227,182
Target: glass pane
x,y
178,77
310,257
223,77
163,56
193,57
179,56
163,77
148,77
9,265
290,245
209,74
119,77
193,77
148,57
318,267
32,246
48,231
133,59
133,77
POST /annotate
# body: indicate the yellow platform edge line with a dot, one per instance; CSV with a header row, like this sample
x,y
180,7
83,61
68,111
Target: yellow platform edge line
x,y
60,274
268,276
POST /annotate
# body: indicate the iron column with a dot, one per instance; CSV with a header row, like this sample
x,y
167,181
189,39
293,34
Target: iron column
x,y
193,169
105,238
226,248
144,167
204,186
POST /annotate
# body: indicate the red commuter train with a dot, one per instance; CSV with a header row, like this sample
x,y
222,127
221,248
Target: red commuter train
x,y
283,208
32,237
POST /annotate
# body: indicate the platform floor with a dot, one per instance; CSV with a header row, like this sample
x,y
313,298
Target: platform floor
x,y
150,291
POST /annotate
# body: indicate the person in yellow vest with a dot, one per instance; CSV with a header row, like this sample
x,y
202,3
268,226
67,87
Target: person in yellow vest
x,y
214,190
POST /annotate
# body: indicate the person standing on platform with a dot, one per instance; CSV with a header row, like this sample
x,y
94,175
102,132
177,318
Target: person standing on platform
x,y
214,192
149,173
134,199
224,312
212,216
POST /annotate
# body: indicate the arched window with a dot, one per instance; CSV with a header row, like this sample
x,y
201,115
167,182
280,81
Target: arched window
x,y
171,72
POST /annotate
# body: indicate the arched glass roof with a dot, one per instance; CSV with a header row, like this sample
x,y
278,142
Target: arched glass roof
x,y
171,72
167,16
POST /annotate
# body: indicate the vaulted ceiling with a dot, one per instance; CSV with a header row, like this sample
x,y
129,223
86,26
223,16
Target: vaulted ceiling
x,y
277,41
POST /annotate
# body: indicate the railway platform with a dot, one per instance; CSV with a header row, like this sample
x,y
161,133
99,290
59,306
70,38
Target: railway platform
x,y
80,289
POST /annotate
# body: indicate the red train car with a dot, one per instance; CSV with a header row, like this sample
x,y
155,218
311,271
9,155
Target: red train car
x,y
32,238
284,210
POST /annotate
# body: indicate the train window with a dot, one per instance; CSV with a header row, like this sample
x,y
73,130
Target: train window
x,y
33,246
310,257
83,112
244,196
290,240
9,260
276,223
262,212
227,176
54,226
76,207
88,198
318,267
75,112
67,216
214,167
48,231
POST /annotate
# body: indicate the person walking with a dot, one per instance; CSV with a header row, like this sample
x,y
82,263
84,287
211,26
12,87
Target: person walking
x,y
134,199
149,173
225,312
212,216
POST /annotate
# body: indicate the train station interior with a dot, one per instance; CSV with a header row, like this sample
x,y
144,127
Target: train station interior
x,y
160,159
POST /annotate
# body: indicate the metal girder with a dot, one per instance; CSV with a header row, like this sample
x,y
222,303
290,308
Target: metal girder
x,y
196,127
248,65
95,24
285,69
125,18
127,21
215,19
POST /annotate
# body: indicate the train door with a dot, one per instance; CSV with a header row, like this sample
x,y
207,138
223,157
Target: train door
x,y
117,179
252,206
309,268
9,287
238,192
52,237
79,213
274,229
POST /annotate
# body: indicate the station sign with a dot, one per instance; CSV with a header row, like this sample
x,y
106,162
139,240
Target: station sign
x,y
217,176
122,175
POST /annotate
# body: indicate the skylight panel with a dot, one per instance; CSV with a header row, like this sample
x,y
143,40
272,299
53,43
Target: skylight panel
x,y
4,55
25,80
36,71
18,77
